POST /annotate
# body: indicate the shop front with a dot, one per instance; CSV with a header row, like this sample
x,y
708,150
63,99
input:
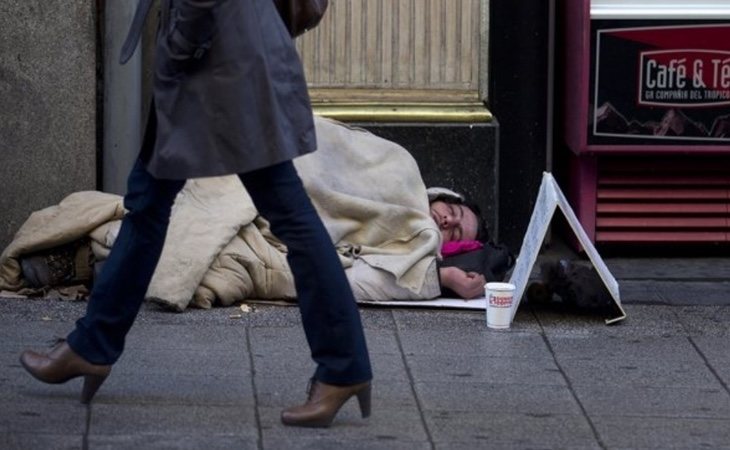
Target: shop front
x,y
646,89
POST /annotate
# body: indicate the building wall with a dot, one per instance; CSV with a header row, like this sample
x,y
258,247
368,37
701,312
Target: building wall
x,y
47,106
405,44
519,98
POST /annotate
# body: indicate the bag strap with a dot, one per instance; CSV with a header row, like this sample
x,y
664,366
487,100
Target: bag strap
x,y
135,30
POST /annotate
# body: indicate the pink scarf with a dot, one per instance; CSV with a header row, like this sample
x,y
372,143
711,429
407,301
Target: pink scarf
x,y
457,247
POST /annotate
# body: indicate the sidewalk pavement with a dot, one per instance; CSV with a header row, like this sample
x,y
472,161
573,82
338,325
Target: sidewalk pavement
x,y
218,379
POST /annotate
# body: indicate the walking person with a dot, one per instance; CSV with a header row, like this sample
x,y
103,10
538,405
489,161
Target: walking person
x,y
229,97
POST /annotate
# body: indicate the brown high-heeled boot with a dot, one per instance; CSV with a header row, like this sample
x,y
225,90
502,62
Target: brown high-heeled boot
x,y
323,403
62,364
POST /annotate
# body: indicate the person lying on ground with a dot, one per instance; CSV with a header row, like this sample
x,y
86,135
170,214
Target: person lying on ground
x,y
464,232
368,191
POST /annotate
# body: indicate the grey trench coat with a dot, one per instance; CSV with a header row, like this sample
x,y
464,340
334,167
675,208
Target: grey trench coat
x,y
229,92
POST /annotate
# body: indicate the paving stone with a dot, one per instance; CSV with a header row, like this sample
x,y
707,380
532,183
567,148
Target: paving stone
x,y
172,420
215,362
640,291
524,321
654,401
186,380
283,392
278,341
621,432
280,314
178,388
191,440
470,343
496,398
641,320
386,366
715,349
266,315
723,371
705,320
329,442
17,385
286,340
485,444
387,424
492,430
184,337
624,347
449,368
669,268
638,372
674,292
32,335
43,417
376,317
460,320
432,319
382,340
33,440
34,311
561,323
152,314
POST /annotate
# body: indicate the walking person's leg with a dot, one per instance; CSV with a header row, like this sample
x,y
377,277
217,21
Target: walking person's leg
x,y
118,292
329,313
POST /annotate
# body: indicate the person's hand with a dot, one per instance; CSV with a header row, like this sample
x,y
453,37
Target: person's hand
x,y
466,284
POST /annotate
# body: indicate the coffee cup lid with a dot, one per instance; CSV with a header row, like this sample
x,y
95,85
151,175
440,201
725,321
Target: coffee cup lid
x,y
496,286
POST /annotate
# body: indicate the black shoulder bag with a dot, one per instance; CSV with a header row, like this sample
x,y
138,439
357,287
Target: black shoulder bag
x,y
301,15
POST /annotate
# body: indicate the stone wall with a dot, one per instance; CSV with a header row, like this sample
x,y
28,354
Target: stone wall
x,y
48,128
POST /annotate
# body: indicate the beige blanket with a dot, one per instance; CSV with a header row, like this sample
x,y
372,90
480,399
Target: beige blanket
x,y
368,191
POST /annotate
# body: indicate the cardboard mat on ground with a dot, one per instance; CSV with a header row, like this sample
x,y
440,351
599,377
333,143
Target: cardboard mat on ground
x,y
549,198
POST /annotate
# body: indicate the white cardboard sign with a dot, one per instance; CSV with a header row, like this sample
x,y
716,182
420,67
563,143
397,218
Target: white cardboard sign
x,y
549,198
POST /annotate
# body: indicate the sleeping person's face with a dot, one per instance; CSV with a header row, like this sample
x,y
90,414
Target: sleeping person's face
x,y
456,222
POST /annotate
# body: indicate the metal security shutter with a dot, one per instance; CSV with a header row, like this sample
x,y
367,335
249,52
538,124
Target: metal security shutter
x,y
672,199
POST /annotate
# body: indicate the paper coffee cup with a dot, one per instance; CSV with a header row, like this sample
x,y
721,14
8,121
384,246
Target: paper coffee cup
x,y
499,304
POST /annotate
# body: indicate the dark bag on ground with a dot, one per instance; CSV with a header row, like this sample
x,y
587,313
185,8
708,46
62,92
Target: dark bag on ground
x,y
301,15
572,286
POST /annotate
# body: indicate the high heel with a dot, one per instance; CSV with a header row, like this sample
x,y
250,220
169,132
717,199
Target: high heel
x,y
92,383
364,400
62,364
323,403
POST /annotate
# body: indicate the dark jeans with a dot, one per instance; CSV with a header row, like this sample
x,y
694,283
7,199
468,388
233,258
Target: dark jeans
x,y
329,313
